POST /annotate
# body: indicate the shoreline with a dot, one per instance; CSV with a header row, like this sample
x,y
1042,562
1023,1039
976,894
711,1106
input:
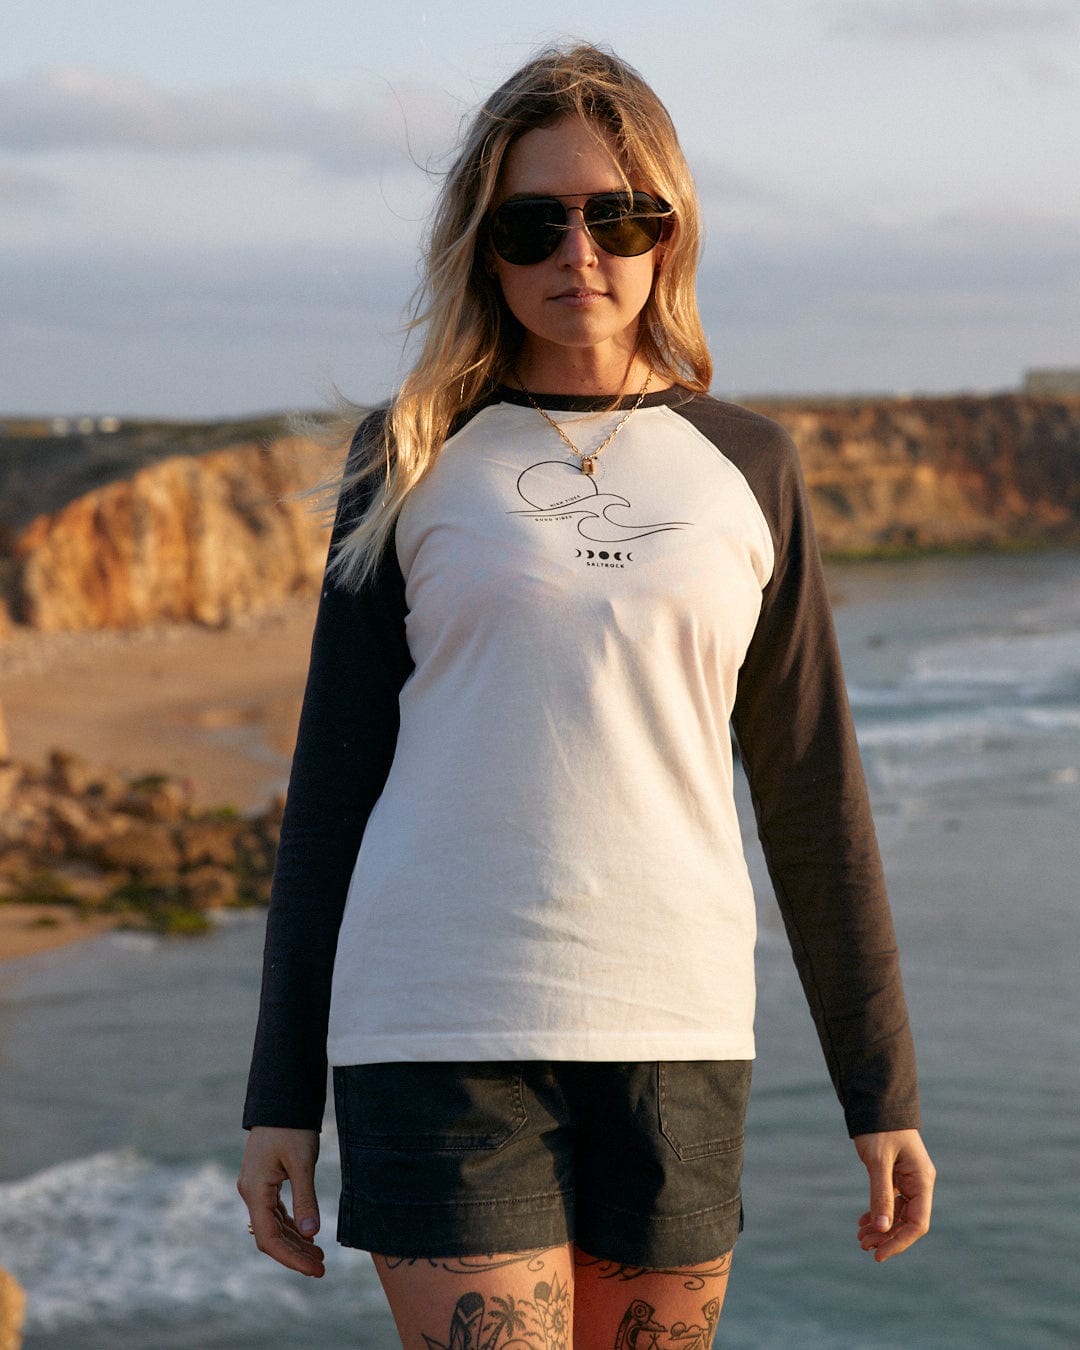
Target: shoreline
x,y
216,708
30,930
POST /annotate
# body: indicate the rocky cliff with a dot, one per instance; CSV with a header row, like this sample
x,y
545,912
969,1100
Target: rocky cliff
x,y
199,537
205,536
899,474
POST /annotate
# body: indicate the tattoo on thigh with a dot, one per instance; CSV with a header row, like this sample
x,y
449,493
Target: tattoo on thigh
x,y
543,1322
693,1277
471,1265
639,1329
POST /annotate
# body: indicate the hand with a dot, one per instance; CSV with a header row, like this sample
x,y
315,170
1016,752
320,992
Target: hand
x,y
273,1156
901,1191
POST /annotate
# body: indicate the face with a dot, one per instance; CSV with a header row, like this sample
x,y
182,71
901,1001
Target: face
x,y
580,307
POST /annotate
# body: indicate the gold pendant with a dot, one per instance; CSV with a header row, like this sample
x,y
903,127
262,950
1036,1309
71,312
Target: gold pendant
x,y
588,465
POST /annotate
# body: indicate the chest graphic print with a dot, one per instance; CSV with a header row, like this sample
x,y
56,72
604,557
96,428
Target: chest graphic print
x,y
553,490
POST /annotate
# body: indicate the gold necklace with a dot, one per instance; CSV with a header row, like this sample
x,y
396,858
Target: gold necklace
x,y
588,461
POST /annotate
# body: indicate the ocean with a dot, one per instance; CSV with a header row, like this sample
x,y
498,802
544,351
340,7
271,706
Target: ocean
x,y
122,1062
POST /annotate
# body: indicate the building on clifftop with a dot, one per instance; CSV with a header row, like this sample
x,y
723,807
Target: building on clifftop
x,y
1053,380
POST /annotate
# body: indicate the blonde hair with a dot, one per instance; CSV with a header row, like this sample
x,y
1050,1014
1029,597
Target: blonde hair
x,y
471,337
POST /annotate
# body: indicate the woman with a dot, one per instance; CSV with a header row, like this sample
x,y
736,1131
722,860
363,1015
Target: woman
x,y
559,571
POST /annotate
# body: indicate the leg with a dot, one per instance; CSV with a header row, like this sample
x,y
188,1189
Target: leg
x,y
509,1301
619,1307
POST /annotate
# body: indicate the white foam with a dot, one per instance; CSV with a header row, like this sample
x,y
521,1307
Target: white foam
x,y
975,729
1027,661
116,1236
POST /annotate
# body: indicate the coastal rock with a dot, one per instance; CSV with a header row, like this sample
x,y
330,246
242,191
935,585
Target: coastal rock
x,y
156,798
76,777
76,835
211,842
210,887
144,849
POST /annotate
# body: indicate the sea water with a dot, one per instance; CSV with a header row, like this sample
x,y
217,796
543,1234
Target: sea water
x,y
122,1063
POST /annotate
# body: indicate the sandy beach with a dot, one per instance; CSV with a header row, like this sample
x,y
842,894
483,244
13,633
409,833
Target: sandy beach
x,y
217,708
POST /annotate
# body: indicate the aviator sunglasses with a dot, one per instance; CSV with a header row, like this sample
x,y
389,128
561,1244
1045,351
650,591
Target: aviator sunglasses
x,y
527,230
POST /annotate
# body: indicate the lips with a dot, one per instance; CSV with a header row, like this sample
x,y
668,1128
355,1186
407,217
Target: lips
x,y
581,295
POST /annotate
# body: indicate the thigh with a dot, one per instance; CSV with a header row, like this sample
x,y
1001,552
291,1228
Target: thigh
x,y
508,1300
618,1306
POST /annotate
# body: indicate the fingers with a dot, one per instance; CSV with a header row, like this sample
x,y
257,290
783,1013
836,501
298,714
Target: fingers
x,y
907,1227
277,1236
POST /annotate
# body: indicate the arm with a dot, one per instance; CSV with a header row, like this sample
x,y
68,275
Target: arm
x,y
798,745
345,744
799,749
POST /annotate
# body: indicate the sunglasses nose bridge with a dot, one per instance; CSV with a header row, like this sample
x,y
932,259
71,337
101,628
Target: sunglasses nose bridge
x,y
574,228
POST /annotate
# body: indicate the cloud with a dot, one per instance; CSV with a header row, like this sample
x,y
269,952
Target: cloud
x,y
20,191
934,21
77,108
981,261
197,330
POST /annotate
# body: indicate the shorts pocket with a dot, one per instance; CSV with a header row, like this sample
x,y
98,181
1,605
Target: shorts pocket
x,y
432,1107
702,1105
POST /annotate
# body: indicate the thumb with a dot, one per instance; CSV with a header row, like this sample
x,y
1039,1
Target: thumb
x,y
305,1204
882,1194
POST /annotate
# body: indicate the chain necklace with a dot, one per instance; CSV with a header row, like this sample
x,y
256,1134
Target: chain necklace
x,y
588,461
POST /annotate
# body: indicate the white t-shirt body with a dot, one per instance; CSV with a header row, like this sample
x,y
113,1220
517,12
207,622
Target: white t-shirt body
x,y
554,868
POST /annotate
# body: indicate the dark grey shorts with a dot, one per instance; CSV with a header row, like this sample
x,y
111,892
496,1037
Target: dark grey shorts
x,y
636,1163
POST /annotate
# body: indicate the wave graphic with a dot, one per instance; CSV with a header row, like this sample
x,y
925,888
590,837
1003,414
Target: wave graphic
x,y
555,490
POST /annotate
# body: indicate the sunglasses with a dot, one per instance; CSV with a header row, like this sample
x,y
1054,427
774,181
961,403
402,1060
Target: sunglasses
x,y
527,230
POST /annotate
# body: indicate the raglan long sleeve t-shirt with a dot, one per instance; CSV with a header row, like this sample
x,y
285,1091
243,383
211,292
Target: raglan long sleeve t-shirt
x,y
511,830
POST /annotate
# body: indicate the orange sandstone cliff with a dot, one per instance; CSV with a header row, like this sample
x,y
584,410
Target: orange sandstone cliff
x,y
197,537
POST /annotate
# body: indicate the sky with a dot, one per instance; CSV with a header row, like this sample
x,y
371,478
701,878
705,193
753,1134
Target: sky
x,y
212,208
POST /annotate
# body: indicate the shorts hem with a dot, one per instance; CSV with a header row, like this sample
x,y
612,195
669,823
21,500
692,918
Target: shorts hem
x,y
655,1242
474,1228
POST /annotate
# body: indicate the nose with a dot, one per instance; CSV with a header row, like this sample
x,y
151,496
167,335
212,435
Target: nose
x,y
576,248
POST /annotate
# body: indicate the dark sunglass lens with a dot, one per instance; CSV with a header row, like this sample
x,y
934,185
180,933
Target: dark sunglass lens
x,y
625,225
527,232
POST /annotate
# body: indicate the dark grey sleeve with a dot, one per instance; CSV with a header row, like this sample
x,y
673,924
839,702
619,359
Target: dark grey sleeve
x,y
345,745
802,761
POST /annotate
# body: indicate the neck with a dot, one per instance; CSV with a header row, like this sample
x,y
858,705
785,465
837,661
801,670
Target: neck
x,y
583,373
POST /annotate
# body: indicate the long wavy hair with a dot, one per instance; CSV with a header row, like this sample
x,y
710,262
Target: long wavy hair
x,y
471,337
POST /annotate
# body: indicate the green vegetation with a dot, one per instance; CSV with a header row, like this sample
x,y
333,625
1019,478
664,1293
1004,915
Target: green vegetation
x,y
161,909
